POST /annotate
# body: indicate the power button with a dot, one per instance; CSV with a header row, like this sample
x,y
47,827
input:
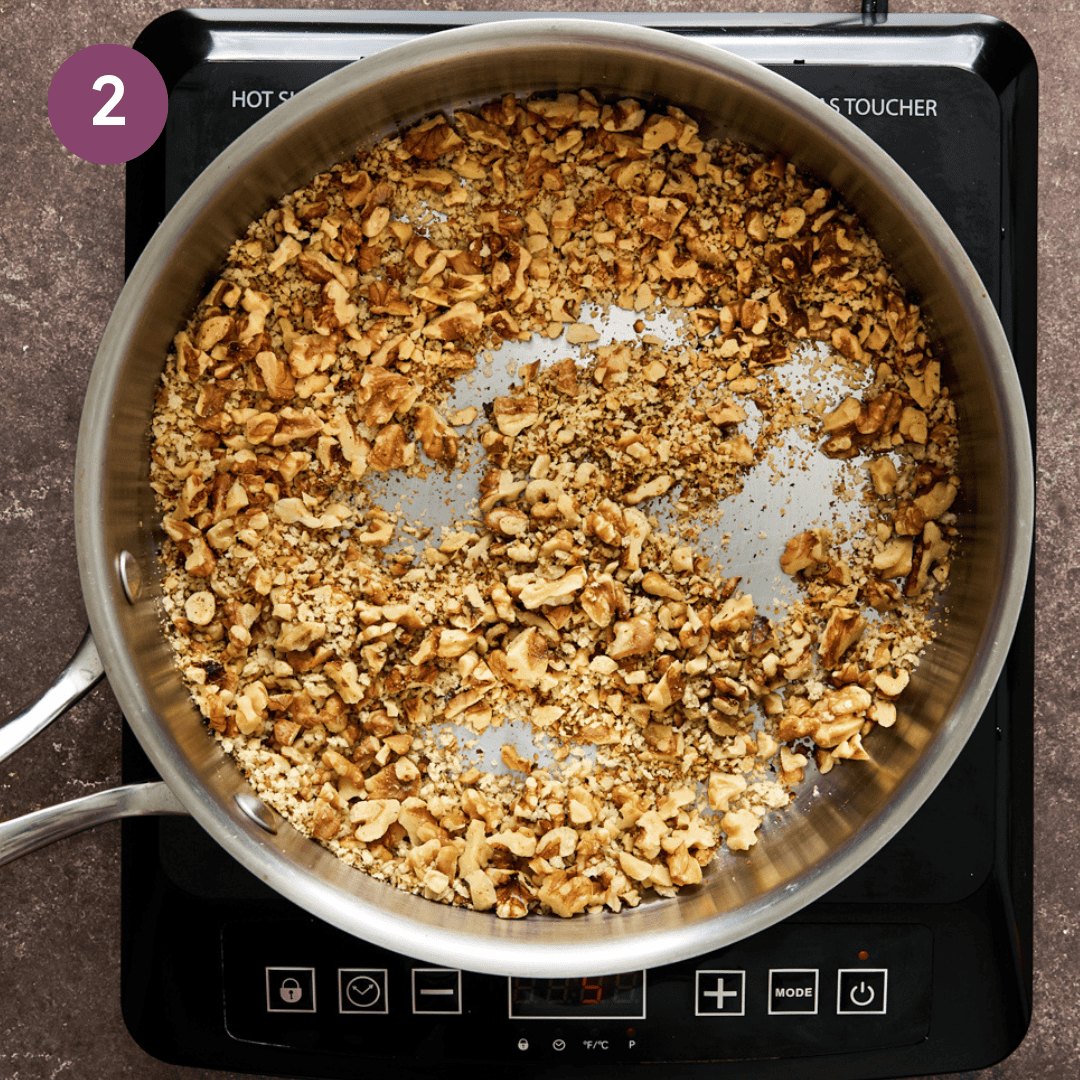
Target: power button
x,y
862,990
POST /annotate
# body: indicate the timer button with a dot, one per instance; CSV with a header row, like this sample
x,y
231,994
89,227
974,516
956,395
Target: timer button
x,y
362,990
862,991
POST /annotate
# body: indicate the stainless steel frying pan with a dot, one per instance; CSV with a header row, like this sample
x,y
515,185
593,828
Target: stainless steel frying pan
x,y
803,852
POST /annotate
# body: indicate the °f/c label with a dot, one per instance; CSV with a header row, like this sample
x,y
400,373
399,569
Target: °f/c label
x,y
259,99
874,106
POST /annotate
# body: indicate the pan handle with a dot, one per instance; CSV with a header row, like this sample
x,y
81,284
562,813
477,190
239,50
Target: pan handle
x,y
22,835
82,673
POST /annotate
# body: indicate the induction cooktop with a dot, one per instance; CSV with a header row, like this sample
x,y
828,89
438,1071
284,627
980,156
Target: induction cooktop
x,y
918,964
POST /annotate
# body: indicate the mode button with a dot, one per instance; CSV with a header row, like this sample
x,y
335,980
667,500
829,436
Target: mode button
x,y
793,990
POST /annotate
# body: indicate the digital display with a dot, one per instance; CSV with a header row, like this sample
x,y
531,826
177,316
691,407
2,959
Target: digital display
x,y
612,997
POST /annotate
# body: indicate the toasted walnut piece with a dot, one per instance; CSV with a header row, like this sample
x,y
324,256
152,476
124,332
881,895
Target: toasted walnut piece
x,y
655,585
507,521
438,440
392,449
414,816
894,560
381,395
548,501
726,413
838,715
909,519
511,901
880,415
684,868
791,222
518,842
514,760
514,414
295,637
806,551
463,320
847,344
723,787
650,490
634,868
844,628
843,417
606,524
913,425
933,549
634,637
580,333
668,690
373,817
296,424
527,658
202,561
558,843
431,139
625,115
211,331
737,613
603,599
562,591
882,713
251,709
325,821
200,608
378,532
937,500
892,685
682,560
792,766
882,595
455,643
481,890
388,784
883,475
652,829
740,827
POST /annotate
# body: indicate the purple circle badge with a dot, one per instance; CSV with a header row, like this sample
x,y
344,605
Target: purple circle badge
x,y
107,103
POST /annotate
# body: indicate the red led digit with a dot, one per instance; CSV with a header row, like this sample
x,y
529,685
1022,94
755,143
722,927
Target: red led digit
x,y
592,990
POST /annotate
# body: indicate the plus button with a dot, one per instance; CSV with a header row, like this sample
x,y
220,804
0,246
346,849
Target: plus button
x,y
720,993
725,998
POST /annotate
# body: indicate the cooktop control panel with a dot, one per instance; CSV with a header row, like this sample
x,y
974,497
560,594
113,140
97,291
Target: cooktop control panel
x,y
803,989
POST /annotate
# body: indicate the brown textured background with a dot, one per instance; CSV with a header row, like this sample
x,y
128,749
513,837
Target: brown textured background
x,y
61,269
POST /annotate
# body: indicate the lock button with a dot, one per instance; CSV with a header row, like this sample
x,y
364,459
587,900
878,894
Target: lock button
x,y
290,989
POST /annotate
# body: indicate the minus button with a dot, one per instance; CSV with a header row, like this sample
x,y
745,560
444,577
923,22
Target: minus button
x,y
436,990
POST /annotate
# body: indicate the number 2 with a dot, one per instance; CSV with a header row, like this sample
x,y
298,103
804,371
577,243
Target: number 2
x,y
103,117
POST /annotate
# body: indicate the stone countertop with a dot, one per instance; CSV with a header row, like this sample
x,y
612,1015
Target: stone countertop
x,y
61,269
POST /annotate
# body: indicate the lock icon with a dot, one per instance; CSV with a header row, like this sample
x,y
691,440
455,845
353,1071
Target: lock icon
x,y
290,991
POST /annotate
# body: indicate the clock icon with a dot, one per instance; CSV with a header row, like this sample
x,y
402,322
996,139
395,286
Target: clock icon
x,y
363,991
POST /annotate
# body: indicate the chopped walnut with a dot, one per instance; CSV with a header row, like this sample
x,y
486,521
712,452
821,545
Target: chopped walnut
x,y
345,650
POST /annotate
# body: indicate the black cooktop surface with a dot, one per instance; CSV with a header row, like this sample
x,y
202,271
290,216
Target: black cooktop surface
x,y
919,963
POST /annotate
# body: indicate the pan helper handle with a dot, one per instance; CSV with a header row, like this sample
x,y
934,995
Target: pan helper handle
x,y
82,673
27,833
21,835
